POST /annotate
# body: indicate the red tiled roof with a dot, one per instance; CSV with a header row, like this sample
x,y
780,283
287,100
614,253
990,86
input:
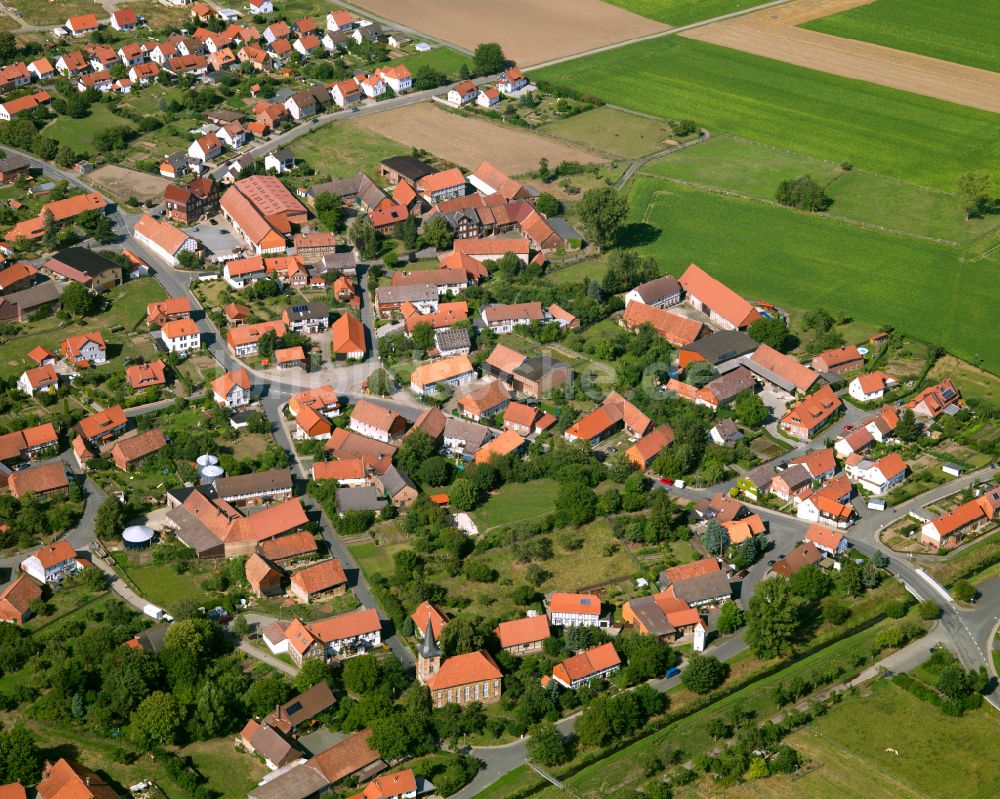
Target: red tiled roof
x,y
464,669
717,296
587,604
319,577
523,631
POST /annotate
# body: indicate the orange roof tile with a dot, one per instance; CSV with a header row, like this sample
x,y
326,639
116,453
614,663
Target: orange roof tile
x,y
464,669
523,631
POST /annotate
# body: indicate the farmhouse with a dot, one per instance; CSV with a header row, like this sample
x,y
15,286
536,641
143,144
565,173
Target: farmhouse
x,y
102,426
839,360
319,580
659,293
262,211
232,389
678,330
807,418
575,610
255,488
489,399
523,636
614,414
721,304
130,453
533,377
872,386
948,531
585,667
377,422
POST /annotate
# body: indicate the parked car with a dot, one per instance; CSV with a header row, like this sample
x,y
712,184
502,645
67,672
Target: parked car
x,y
666,481
672,672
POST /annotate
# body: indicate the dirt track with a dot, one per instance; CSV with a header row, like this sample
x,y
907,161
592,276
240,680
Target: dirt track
x,y
530,31
468,142
772,33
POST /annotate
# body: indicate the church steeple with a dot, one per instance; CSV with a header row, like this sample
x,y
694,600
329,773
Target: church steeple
x,y
428,655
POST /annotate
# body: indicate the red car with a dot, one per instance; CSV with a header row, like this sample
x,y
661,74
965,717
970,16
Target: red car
x,y
666,481
848,427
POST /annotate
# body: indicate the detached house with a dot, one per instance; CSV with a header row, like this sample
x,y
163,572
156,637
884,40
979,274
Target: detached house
x,y
377,422
462,93
839,360
243,340
124,19
205,148
948,531
446,373
40,378
440,186
826,540
523,636
575,610
48,480
233,389
181,335
399,78
511,80
933,401
879,477
86,347
614,414
583,668
82,25
102,426
807,418
162,238
872,386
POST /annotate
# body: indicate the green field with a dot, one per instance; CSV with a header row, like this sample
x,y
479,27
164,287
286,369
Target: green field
x,y
966,33
848,747
611,131
51,12
79,133
880,130
774,254
342,149
574,273
516,502
683,12
443,59
742,166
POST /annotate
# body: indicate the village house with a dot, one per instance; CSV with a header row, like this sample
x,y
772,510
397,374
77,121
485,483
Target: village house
x,y
399,489
255,488
41,378
872,386
376,422
163,239
533,377
51,563
829,505
12,167
717,348
21,446
856,442
348,337
142,376
180,335
803,555
243,340
67,779
440,186
274,749
462,93
950,529
443,374
614,414
877,477
29,102
526,420
819,463
933,401
130,453
85,348
168,310
678,330
511,80
662,292
15,608
523,636
84,266
42,69
721,304
839,360
648,448
810,415
826,540
504,318
82,25
288,549
264,579
232,389
400,785
189,203
391,299
318,581
103,426
584,667
661,615
311,317
489,399
575,610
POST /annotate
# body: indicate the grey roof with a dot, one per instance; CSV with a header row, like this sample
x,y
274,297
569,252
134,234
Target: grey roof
x,y
342,187
224,115
726,428
652,617
795,475
731,384
176,160
311,310
300,782
39,294
337,262
536,367
151,640
372,31
429,647
418,292
87,261
409,167
764,373
653,291
564,229
703,588
283,154
760,476
393,481
13,162
360,498
723,346
272,746
192,532
453,338
256,482
472,434
304,706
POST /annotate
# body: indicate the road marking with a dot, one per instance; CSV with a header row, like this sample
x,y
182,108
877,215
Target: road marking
x,y
938,588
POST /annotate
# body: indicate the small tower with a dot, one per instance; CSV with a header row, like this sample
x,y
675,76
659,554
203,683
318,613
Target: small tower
x,y
428,655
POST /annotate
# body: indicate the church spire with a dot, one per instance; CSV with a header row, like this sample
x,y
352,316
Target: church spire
x,y
429,647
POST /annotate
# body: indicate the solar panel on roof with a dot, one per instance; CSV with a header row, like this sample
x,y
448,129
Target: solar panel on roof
x,y
293,708
585,601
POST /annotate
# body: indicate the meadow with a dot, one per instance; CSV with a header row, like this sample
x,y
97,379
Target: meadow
x,y
683,12
880,130
443,59
965,33
79,133
746,167
770,253
613,131
340,150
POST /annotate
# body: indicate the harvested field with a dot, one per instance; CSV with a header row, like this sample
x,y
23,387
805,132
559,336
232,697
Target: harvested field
x,y
122,183
773,33
529,31
468,142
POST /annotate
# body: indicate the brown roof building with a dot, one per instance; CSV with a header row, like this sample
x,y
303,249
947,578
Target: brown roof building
x,y
264,579
319,580
130,453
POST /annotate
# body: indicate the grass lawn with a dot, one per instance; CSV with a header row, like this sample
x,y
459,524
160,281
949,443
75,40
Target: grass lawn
x,y
756,170
443,59
51,12
966,563
575,273
683,12
972,382
516,502
786,257
848,749
878,129
162,585
79,133
611,131
689,735
161,17
232,773
962,32
342,149
128,307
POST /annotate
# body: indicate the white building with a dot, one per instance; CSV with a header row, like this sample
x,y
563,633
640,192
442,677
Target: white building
x,y
52,563
872,386
878,477
181,335
575,610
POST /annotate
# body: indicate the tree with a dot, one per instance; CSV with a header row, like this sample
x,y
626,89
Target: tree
x,y
329,210
977,192
110,518
463,634
810,582
602,212
964,591
750,409
772,332
8,51
704,673
715,538
415,450
435,471
547,745
426,77
66,156
907,429
437,233
543,173
363,234
264,695
50,230
488,59
361,674
771,619
730,618
576,504
463,496
157,719
758,769
19,758
546,204
408,232
380,384
928,610
803,193
313,672
700,374
267,344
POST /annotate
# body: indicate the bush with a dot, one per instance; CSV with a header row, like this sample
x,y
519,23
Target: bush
x,y
964,591
928,610
895,609
704,673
